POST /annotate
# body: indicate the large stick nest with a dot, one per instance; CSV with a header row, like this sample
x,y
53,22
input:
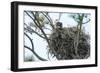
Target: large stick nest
x,y
62,44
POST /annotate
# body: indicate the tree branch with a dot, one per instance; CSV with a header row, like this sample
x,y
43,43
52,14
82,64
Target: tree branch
x,y
30,41
40,58
51,23
59,16
39,26
86,22
47,29
33,49
36,32
43,32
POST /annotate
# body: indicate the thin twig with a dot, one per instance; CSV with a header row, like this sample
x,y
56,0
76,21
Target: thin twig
x,y
30,41
40,58
86,22
33,49
51,23
36,32
39,26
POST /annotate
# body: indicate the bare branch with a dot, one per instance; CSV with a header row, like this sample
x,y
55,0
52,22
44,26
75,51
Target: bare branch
x,y
51,23
36,32
33,49
30,41
39,26
40,58
86,22
59,16
47,29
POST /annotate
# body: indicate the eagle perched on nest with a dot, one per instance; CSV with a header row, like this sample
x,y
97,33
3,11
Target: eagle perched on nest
x,y
62,43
